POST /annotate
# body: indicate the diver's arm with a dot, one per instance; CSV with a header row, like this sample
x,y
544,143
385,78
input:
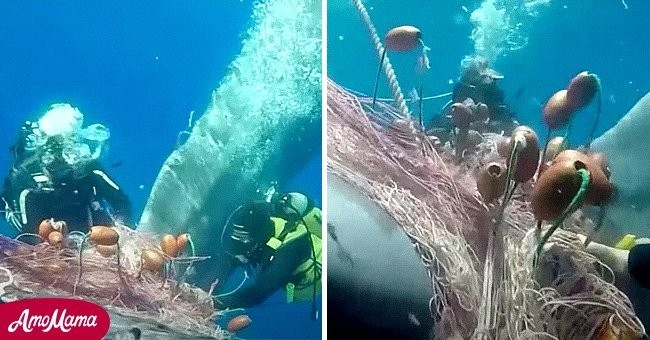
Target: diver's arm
x,y
273,277
12,217
11,185
6,192
225,268
111,192
634,262
37,208
23,211
6,186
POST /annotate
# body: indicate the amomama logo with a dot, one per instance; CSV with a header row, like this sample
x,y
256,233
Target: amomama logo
x,y
53,318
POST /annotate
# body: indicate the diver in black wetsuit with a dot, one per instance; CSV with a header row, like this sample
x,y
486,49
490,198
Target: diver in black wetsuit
x,y
282,239
479,83
81,194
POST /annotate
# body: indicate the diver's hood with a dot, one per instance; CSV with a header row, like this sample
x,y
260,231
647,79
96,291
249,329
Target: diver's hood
x,y
476,70
490,75
293,205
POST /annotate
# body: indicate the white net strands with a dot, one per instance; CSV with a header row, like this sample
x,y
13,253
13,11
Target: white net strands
x,y
131,294
433,196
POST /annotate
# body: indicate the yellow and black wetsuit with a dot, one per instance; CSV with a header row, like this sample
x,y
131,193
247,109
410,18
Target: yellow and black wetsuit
x,y
306,278
291,261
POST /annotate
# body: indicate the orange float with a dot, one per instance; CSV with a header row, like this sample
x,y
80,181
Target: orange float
x,y
181,241
152,260
555,189
55,238
461,115
557,111
528,156
582,90
402,38
491,182
600,190
169,246
103,236
238,323
45,228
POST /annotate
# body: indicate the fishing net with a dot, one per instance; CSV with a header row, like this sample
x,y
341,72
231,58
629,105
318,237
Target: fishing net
x,y
165,309
421,184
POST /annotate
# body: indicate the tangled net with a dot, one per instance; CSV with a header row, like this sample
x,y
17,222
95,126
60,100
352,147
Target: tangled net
x,y
127,290
418,181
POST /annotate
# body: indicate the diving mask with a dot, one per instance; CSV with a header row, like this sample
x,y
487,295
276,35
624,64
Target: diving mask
x,y
292,206
64,158
61,142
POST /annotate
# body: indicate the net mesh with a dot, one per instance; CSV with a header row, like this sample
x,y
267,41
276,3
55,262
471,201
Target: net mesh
x,y
42,270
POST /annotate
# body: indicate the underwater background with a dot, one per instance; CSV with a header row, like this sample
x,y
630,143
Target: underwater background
x,y
538,45
139,68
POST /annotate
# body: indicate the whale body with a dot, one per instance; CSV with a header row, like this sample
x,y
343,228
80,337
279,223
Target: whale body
x,y
377,286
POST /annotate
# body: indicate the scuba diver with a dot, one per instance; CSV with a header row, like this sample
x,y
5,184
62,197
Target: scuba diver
x,y
478,84
281,236
50,178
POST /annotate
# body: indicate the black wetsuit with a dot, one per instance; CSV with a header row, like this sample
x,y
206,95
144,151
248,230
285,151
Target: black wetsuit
x,y
276,270
638,263
488,94
79,201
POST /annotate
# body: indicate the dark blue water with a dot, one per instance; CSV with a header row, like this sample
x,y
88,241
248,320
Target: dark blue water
x,y
567,37
138,67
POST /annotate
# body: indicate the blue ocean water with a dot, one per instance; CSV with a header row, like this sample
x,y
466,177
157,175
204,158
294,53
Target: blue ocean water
x,y
139,68
565,38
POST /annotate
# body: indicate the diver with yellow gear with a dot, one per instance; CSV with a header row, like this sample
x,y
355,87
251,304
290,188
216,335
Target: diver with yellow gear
x,y
282,237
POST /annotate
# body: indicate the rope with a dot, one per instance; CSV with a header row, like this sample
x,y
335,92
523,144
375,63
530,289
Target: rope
x,y
361,94
400,104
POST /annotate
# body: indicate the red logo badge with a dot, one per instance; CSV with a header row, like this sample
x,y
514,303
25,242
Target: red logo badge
x,y
53,318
